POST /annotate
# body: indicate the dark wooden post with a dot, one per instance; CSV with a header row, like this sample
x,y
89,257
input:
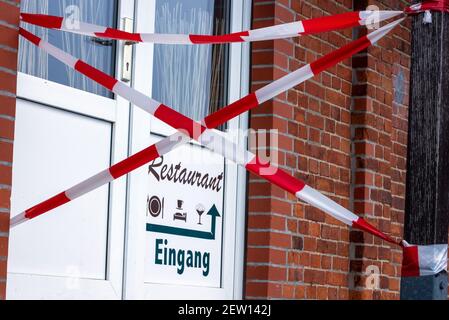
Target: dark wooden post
x,y
427,197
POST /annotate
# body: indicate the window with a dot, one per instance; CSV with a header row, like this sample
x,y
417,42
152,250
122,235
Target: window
x,y
192,79
98,53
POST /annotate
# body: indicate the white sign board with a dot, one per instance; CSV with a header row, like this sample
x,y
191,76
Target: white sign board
x,y
185,218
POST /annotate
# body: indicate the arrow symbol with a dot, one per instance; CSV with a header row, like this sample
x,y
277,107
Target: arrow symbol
x,y
213,212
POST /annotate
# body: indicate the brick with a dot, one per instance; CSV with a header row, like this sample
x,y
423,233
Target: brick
x,y
280,240
2,290
9,13
9,37
8,59
3,247
4,222
6,129
259,238
274,290
8,82
295,275
327,247
298,243
7,106
262,11
314,276
300,292
3,269
5,175
5,196
284,14
315,214
256,289
288,291
257,272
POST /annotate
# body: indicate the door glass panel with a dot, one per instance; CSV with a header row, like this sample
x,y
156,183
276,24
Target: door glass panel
x,y
191,79
100,54
185,203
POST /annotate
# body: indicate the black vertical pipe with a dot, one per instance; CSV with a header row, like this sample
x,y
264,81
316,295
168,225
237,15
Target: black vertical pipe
x,y
427,196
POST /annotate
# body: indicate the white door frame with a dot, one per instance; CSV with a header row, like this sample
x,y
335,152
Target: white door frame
x,y
115,111
235,190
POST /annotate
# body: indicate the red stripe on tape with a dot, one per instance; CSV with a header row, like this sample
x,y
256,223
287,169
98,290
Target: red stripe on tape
x,y
227,38
362,224
341,54
96,75
331,23
432,5
231,111
410,262
47,205
29,36
134,162
179,121
119,35
276,176
51,22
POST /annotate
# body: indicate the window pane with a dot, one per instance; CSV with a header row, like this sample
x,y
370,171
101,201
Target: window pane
x,y
191,79
101,55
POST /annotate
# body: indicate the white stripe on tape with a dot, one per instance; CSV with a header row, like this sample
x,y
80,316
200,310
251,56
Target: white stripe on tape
x,y
275,32
315,198
432,259
165,38
376,35
18,219
59,54
137,98
171,142
277,87
79,27
219,144
90,184
370,17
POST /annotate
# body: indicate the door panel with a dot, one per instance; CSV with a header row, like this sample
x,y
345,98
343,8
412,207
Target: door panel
x,y
96,247
163,220
73,238
68,129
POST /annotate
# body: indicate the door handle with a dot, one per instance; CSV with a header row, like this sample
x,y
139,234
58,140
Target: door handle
x,y
127,56
102,42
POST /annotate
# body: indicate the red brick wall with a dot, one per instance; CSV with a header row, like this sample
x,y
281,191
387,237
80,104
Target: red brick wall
x,y
344,133
379,135
9,20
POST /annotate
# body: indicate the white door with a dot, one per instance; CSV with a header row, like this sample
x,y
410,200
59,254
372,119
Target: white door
x,y
178,246
67,129
146,236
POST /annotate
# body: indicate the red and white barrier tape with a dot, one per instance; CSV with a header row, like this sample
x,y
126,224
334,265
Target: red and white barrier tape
x,y
209,138
288,30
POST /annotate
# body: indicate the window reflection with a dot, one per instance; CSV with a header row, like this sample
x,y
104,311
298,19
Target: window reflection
x,y
191,79
100,55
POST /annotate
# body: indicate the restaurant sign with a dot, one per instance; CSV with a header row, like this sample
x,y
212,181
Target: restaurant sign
x,y
184,218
